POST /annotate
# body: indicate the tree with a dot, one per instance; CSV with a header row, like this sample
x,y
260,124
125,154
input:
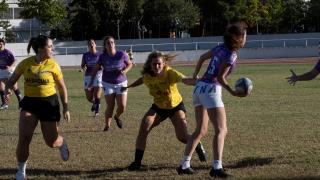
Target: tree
x,y
48,12
5,25
134,14
313,14
84,19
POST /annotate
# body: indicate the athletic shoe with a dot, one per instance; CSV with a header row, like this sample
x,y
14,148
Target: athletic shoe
x,y
106,128
219,173
4,106
201,152
93,107
118,121
64,151
96,114
134,166
20,175
189,170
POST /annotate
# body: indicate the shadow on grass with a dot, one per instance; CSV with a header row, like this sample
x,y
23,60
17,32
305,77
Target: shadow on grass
x,y
61,173
250,161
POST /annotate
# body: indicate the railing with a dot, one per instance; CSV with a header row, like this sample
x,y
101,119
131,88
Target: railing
x,y
273,43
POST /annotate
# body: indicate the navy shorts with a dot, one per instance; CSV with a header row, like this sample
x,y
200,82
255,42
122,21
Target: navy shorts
x,y
168,113
45,108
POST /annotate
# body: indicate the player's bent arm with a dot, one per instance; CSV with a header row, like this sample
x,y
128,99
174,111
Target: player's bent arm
x,y
308,76
12,80
127,69
223,81
94,73
207,55
63,93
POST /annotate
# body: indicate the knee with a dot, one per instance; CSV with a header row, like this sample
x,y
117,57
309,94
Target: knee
x,y
200,132
222,132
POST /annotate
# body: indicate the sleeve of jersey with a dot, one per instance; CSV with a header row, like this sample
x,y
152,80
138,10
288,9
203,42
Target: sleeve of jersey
x,y
232,59
57,73
317,66
175,76
20,67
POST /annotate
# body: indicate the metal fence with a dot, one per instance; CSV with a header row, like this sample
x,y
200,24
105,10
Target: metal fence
x,y
273,43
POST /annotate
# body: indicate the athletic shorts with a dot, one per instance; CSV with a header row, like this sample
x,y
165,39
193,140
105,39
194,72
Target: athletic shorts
x,y
5,74
45,108
114,88
97,82
207,95
168,113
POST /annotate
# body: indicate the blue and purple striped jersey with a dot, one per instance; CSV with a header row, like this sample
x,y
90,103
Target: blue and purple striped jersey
x,y
6,59
112,67
220,54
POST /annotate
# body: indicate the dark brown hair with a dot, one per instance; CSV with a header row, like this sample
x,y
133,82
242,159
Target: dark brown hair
x,y
37,42
234,35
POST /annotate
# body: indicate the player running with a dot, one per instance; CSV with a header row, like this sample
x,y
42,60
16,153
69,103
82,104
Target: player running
x,y
161,81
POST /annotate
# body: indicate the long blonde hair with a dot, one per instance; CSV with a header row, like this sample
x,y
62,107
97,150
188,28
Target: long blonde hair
x,y
147,69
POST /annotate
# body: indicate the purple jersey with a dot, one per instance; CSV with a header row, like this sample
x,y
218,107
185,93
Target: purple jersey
x,y
317,66
112,67
220,54
6,59
90,60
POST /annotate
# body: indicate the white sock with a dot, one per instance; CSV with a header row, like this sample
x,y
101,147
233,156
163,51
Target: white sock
x,y
216,164
185,163
22,167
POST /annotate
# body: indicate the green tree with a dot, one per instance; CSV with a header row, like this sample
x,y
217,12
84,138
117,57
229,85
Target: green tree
x,y
273,15
4,24
134,15
294,15
313,15
84,19
48,12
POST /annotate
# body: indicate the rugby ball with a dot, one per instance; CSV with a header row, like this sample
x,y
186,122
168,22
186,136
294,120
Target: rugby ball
x,y
244,85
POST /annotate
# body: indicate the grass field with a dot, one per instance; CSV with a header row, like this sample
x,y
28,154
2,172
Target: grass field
x,y
273,134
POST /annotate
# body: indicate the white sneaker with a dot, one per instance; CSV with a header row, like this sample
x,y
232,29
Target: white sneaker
x,y
4,106
64,151
20,175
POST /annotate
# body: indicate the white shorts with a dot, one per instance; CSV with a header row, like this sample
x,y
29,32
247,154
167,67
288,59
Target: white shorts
x,y
207,95
5,74
114,88
97,82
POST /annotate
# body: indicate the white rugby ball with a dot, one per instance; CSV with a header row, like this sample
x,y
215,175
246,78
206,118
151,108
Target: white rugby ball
x,y
244,85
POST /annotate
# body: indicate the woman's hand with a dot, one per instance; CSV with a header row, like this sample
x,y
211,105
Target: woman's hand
x,y
293,78
66,115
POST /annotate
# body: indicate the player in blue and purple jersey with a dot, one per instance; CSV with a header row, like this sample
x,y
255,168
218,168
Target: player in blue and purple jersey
x,y
313,73
115,65
7,66
207,97
89,61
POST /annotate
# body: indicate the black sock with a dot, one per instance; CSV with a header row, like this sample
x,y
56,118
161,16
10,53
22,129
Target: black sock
x,y
97,105
138,156
18,94
2,97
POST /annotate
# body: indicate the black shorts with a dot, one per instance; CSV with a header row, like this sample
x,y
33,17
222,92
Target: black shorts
x,y
168,113
45,108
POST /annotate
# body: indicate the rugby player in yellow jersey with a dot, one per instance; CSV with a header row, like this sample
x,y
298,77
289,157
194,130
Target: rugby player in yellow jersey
x,y
40,103
162,83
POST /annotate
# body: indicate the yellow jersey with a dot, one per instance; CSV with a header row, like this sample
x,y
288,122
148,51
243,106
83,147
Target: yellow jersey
x,y
164,89
39,79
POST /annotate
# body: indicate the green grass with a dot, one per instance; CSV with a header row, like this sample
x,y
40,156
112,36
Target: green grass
x,y
273,134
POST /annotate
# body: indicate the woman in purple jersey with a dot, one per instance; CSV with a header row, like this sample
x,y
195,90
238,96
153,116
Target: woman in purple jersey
x,y
7,66
115,65
207,97
89,61
313,73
